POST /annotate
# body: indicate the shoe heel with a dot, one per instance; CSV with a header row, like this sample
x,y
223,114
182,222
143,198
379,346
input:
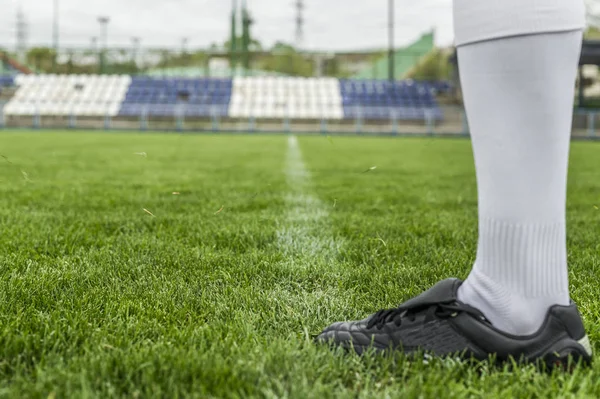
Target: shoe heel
x,y
587,346
568,358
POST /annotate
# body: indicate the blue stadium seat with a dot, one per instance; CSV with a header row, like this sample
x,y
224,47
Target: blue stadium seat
x,y
6,81
381,99
162,96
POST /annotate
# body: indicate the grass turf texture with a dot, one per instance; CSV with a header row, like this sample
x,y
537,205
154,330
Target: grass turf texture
x,y
99,298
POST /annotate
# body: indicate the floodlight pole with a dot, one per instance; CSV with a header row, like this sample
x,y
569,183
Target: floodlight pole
x,y
233,40
103,38
184,42
55,36
246,23
391,63
134,54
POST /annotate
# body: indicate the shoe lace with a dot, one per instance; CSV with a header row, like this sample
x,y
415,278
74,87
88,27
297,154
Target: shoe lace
x,y
440,310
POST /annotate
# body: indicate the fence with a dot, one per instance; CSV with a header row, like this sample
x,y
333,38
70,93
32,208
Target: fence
x,y
218,61
453,123
586,124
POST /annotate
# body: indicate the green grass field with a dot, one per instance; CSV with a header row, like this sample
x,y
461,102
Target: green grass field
x,y
111,285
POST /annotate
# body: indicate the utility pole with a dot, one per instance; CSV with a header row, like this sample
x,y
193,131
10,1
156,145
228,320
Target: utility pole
x,y
183,58
103,39
184,42
391,61
21,37
135,50
55,37
233,40
299,23
246,23
94,47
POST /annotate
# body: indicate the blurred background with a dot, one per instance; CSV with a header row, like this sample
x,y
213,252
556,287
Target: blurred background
x,y
341,66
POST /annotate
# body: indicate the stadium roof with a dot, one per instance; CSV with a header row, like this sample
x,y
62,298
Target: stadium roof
x,y
405,59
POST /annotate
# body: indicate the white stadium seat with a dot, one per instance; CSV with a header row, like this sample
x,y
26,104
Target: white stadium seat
x,y
278,97
93,95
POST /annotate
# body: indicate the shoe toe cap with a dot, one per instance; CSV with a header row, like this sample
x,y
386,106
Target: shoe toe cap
x,y
345,334
339,326
332,332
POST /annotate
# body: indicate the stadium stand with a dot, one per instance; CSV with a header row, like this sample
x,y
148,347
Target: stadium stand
x,y
63,95
281,97
591,74
6,81
244,97
380,99
175,96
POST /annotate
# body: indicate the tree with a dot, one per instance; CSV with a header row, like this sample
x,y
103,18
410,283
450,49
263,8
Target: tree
x,y
255,45
42,58
284,58
333,67
435,66
282,47
165,59
592,33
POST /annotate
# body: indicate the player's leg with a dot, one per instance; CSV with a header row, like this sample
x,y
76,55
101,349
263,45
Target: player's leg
x,y
518,61
519,93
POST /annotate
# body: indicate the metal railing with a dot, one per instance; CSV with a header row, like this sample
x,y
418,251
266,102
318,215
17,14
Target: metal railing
x,y
586,124
453,123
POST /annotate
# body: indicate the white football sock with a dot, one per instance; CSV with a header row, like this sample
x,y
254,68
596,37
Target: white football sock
x,y
477,20
518,93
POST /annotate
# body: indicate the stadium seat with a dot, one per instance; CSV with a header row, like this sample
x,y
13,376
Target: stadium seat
x,y
65,94
381,99
278,97
161,95
242,97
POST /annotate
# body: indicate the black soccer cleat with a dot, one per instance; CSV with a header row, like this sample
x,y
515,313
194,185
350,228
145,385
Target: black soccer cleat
x,y
435,322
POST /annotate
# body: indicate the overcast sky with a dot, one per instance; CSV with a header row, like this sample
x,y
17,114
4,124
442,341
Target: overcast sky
x,y
330,24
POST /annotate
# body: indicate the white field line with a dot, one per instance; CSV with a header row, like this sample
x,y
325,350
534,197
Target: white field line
x,y
304,235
